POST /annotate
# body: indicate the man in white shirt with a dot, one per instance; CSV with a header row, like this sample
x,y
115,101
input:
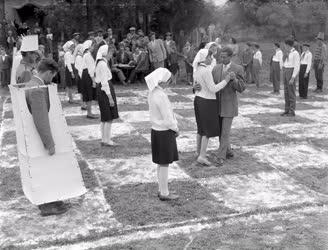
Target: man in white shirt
x,y
304,75
277,63
291,69
257,65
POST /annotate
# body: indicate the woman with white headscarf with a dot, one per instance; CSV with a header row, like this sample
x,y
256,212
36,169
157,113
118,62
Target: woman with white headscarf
x,y
78,69
88,78
205,105
212,48
106,95
69,74
164,129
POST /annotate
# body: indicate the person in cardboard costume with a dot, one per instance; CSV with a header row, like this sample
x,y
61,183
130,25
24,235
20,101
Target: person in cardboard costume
x,y
48,166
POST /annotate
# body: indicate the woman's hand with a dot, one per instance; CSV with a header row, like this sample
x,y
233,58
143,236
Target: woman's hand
x,y
111,100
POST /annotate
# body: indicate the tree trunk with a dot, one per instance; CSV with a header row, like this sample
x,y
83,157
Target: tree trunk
x,y
3,28
89,14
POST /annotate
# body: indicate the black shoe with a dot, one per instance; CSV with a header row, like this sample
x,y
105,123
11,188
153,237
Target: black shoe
x,y
291,114
83,108
169,197
229,155
284,114
52,209
92,116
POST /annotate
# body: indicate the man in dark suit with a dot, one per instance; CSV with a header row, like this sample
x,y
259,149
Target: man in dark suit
x,y
5,66
227,99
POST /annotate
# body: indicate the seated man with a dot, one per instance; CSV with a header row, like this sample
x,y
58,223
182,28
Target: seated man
x,y
113,66
142,64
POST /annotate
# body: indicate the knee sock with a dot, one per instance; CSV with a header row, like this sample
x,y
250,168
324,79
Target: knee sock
x,y
163,180
109,131
102,130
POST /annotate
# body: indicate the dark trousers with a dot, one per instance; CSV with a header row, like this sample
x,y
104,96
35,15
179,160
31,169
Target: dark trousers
x,y
276,76
303,81
248,73
225,128
318,73
136,73
289,91
5,77
256,68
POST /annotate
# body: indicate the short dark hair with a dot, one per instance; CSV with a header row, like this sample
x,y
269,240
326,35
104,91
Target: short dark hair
x,y
152,33
233,40
277,45
289,42
256,45
249,44
227,50
47,64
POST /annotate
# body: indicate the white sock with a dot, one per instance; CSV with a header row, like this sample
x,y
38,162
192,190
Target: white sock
x,y
102,128
163,180
109,131
159,187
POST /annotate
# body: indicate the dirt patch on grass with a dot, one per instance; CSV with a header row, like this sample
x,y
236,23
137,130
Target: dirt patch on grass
x,y
257,136
145,207
273,119
88,175
10,184
138,145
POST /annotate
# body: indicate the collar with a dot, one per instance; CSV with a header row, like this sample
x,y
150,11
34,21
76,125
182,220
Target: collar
x,y
292,50
227,66
41,80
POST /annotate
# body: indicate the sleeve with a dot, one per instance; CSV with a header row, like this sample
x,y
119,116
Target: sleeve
x,y
68,61
209,81
90,64
164,106
150,54
296,64
260,58
309,63
39,112
239,84
103,77
280,57
163,49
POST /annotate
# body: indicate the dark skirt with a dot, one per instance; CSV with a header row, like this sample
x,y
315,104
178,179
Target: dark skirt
x,y
207,117
189,68
164,147
107,113
88,92
77,80
68,78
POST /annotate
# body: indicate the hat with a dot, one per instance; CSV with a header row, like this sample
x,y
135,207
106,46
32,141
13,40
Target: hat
x,y
76,34
91,33
100,31
306,45
168,34
30,43
132,28
320,36
157,76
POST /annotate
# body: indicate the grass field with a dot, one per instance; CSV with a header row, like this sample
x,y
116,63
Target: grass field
x,y
272,195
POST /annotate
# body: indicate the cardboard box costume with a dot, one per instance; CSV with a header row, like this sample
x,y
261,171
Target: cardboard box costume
x,y
45,178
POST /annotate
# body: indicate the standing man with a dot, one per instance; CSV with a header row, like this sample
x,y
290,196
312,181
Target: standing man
x,y
257,64
277,63
320,56
304,75
290,72
227,99
247,61
5,65
157,51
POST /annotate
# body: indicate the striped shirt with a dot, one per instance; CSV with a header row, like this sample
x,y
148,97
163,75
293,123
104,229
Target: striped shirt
x,y
320,52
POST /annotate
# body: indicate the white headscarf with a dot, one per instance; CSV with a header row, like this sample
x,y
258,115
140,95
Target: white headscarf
x,y
157,76
67,45
200,57
86,45
102,52
209,45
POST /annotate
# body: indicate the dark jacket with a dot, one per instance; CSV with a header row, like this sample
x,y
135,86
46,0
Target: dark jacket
x,y
5,64
123,57
227,97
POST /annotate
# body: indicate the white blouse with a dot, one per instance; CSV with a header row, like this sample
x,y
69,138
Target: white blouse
x,y
68,60
278,57
306,58
79,64
204,77
89,63
258,56
293,61
103,75
161,112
